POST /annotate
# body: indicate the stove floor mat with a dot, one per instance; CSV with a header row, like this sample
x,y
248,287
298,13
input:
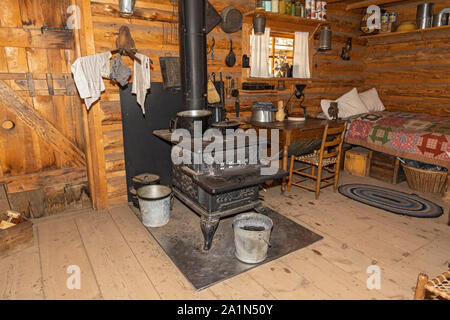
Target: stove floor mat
x,y
182,240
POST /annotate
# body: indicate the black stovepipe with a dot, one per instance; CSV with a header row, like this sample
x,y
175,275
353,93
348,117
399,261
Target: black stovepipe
x,y
192,31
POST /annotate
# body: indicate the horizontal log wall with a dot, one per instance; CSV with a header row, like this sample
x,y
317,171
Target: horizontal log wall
x,y
332,76
47,142
411,71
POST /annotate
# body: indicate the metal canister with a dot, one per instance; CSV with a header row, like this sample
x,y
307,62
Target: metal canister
x,y
424,16
325,38
440,19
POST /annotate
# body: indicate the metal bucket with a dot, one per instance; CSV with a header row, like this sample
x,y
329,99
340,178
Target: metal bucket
x,y
126,7
154,203
251,236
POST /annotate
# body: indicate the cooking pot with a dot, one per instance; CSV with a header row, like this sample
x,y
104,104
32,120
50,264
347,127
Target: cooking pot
x,y
263,114
187,119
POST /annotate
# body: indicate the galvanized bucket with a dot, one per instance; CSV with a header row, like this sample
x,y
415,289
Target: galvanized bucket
x,y
154,203
126,7
251,236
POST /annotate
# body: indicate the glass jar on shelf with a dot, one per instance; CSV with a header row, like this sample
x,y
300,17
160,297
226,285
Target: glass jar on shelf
x,y
267,4
298,8
288,7
282,6
275,6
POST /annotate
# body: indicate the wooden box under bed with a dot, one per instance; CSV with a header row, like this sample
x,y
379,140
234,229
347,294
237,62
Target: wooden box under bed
x,y
386,168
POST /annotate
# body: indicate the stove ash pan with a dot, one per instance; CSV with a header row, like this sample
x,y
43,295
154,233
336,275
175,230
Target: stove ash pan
x,y
213,203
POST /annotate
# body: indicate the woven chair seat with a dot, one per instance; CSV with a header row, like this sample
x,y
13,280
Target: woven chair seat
x,y
440,285
313,158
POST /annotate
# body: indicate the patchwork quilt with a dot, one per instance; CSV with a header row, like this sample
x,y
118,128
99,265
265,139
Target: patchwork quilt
x,y
413,136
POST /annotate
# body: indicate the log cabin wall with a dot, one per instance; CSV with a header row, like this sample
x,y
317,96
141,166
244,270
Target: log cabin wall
x,y
42,157
332,76
410,71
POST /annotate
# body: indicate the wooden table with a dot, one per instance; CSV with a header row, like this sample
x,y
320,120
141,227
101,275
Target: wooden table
x,y
294,131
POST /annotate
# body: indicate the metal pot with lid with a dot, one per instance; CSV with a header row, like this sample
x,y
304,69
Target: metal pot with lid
x,y
261,114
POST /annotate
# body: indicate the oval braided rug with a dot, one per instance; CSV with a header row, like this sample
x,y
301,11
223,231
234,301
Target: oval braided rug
x,y
392,200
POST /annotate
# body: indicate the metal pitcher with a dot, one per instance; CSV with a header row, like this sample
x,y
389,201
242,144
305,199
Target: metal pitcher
x,y
424,16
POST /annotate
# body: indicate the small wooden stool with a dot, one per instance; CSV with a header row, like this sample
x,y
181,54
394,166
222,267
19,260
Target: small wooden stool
x,y
440,286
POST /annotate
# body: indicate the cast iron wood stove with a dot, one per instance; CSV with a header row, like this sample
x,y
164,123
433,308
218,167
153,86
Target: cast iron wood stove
x,y
218,191
212,191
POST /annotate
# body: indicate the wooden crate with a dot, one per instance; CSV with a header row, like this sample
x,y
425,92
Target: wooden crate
x,y
357,161
386,168
15,238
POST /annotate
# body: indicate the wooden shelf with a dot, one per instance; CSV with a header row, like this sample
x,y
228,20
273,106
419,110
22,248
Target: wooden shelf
x,y
366,3
296,22
419,34
273,79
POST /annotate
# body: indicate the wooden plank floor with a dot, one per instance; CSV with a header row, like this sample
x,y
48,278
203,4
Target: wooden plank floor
x,y
119,259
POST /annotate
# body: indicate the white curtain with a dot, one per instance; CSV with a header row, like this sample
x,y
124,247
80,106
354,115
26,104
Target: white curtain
x,y
301,56
260,54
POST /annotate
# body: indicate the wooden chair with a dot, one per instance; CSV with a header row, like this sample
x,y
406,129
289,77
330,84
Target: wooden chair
x,y
439,286
329,155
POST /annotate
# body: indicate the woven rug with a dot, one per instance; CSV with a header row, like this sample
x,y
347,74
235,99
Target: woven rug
x,y
392,200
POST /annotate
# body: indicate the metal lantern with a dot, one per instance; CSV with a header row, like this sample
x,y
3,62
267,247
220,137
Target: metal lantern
x,y
325,38
126,7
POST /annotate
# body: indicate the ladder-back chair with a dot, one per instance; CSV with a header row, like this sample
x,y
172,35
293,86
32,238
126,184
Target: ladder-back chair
x,y
329,155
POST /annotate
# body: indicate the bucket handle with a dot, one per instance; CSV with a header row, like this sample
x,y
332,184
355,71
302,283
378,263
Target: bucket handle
x,y
261,238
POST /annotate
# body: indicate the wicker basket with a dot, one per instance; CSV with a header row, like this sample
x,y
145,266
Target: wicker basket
x,y
425,180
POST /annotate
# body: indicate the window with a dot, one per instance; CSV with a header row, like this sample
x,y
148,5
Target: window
x,y
281,52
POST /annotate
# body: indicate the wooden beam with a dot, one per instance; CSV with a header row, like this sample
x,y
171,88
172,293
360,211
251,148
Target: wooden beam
x,y
92,123
366,3
43,128
39,180
26,38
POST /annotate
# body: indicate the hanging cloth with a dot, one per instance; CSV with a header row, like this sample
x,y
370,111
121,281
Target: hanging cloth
x,y
260,50
88,72
141,79
301,56
119,72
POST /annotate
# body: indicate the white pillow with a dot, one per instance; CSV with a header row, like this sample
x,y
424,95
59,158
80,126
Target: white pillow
x,y
372,100
349,104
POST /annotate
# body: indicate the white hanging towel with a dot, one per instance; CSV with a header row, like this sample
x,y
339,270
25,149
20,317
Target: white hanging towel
x,y
259,60
141,79
88,72
301,56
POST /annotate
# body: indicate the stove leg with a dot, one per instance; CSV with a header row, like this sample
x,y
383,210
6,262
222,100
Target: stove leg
x,y
209,227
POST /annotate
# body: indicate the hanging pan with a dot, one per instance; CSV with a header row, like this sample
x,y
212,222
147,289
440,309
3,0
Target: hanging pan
x,y
230,59
231,19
